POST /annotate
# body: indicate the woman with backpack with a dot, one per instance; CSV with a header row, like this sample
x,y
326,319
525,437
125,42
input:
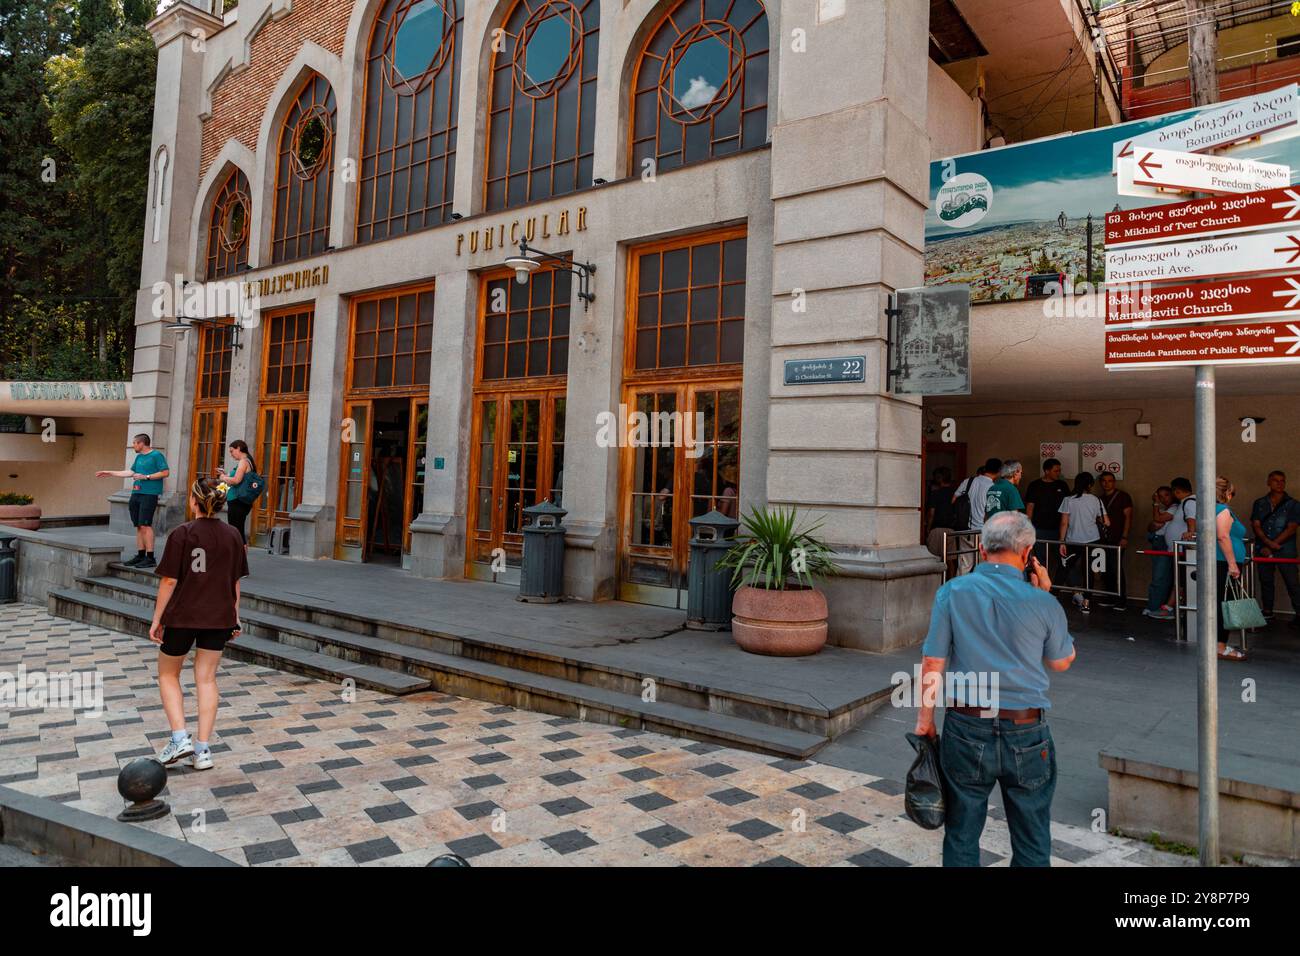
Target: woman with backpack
x,y
1082,520
197,604
241,495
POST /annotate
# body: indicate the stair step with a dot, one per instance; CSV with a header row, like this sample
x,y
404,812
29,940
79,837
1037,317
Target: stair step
x,y
136,619
474,675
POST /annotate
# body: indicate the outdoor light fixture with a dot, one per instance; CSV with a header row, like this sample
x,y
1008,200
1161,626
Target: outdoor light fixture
x,y
525,265
456,217
599,182
182,324
1069,422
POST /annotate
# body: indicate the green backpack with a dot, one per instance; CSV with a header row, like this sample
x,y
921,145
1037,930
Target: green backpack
x,y
250,490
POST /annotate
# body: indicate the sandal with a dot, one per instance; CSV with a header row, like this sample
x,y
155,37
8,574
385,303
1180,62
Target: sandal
x,y
1232,654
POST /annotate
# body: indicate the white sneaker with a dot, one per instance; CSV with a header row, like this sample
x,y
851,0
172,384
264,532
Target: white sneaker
x,y
202,760
174,751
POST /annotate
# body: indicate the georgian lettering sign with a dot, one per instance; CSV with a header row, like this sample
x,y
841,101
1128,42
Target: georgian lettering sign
x,y
508,235
283,283
1204,345
850,368
67,391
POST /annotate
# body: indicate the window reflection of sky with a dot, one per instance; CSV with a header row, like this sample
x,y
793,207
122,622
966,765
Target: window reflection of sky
x,y
547,50
701,72
418,38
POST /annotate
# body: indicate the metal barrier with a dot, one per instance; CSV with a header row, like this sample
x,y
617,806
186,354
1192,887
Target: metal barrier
x,y
1249,580
963,548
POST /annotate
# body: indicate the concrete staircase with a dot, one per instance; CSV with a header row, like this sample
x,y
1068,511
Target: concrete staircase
x,y
331,644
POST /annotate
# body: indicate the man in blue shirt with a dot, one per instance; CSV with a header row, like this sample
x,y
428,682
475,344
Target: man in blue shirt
x,y
993,629
1274,519
146,473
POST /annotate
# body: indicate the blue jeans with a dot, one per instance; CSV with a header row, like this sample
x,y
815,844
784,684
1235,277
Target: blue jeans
x,y
1021,759
1162,581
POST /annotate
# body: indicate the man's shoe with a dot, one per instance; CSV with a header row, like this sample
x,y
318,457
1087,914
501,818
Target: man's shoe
x,y
134,561
174,752
145,563
1163,614
202,760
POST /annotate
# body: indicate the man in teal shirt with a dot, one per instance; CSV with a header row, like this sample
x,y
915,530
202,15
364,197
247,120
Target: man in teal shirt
x,y
1005,493
147,473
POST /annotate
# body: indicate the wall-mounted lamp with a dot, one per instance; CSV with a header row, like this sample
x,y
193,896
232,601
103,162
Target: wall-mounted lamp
x,y
1069,422
456,217
599,182
525,265
182,324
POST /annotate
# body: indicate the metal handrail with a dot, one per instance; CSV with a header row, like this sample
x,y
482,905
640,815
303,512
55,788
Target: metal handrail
x,y
1048,548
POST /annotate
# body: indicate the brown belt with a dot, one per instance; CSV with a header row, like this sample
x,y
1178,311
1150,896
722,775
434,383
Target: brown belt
x,y
1027,715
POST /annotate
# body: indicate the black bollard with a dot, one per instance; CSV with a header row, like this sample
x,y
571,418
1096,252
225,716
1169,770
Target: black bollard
x,y
448,859
141,781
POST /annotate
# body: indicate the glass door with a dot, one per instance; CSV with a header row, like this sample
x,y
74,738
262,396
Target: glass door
x,y
280,459
355,482
681,460
518,461
209,443
416,466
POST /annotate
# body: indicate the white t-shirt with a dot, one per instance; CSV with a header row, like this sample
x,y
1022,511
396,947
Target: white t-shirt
x,y
1084,511
979,492
1181,510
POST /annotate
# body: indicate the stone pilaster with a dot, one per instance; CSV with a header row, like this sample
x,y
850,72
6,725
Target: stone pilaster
x,y
849,180
313,522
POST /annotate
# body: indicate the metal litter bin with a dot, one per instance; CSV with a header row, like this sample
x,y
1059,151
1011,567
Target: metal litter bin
x,y
541,579
8,571
708,587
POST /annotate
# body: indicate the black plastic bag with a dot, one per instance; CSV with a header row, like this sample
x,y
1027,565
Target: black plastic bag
x,y
923,799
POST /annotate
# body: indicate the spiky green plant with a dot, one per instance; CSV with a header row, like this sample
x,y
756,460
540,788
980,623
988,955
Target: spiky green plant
x,y
14,498
772,550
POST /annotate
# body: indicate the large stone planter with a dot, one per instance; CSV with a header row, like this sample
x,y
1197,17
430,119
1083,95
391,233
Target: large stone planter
x,y
789,623
27,517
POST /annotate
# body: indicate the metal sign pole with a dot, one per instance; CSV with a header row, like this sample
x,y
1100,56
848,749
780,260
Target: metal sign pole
x,y
1207,615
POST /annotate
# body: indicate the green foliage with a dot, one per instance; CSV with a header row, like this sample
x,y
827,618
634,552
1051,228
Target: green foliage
x,y
772,550
64,362
13,498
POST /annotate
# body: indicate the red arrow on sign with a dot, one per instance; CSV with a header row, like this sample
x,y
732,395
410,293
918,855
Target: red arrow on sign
x,y
1127,150
1294,249
1146,165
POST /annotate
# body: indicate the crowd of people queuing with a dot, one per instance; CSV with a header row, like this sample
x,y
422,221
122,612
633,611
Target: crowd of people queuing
x,y
1069,518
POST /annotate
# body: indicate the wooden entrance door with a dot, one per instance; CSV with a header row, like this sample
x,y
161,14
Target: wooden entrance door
x,y
517,461
681,460
281,442
211,402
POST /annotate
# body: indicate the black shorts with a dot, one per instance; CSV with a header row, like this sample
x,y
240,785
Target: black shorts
x,y
177,641
142,509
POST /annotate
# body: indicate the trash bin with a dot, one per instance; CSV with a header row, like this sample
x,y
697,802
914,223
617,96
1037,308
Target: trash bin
x,y
8,571
541,579
708,587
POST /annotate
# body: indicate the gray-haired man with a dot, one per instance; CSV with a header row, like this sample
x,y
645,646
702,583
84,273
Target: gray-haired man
x,y
994,624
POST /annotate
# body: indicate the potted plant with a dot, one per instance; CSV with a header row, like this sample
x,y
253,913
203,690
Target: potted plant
x,y
777,609
17,511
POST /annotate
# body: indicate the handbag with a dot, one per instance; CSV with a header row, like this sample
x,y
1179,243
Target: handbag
x,y
1239,612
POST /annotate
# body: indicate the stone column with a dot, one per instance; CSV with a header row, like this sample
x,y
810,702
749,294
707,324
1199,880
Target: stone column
x,y
166,251
850,163
438,535
313,522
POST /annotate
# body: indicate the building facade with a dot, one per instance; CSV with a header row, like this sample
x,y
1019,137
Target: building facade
x,y
741,183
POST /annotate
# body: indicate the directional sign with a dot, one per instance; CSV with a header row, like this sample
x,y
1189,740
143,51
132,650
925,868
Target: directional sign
x,y
1142,304
1223,125
1231,255
1218,216
1269,342
1197,172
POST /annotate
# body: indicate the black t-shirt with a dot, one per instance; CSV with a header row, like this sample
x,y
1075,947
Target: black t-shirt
x,y
1115,503
940,499
1046,497
207,559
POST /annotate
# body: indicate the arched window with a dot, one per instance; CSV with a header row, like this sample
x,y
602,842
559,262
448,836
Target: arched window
x,y
159,190
408,147
700,87
228,227
304,178
542,117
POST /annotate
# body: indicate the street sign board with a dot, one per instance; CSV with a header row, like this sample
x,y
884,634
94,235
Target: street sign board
x,y
1224,125
1231,255
1267,342
1198,218
822,371
1199,172
1142,304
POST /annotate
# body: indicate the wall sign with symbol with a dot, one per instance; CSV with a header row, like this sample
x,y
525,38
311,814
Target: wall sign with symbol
x,y
1099,458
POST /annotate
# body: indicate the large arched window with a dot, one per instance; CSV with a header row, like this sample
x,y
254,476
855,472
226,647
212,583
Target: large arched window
x,y
542,117
700,86
408,146
229,226
304,178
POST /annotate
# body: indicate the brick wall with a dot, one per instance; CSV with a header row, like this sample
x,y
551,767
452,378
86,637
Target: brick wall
x,y
242,98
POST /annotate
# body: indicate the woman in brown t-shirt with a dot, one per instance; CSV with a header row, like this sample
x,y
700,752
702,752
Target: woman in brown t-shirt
x,y
198,603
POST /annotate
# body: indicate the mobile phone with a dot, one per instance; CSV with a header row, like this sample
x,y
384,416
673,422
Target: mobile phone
x,y
1030,567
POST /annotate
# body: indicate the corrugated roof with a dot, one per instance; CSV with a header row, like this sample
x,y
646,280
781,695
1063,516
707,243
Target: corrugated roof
x,y
1157,26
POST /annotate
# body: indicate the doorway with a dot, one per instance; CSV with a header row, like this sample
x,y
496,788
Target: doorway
x,y
383,480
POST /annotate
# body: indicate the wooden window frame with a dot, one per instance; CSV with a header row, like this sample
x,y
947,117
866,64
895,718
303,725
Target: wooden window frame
x,y
526,381
579,82
269,321
213,343
352,390
298,187
225,258
737,82
633,375
378,220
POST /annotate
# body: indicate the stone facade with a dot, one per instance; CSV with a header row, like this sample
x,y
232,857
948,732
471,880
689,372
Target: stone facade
x,y
833,210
